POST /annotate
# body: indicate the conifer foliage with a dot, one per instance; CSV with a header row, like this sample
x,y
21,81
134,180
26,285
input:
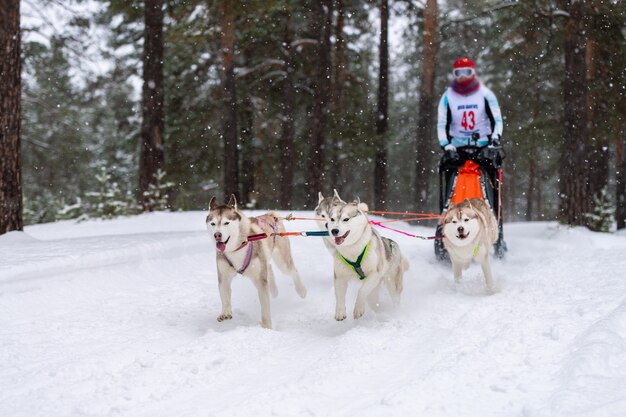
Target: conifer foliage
x,y
277,100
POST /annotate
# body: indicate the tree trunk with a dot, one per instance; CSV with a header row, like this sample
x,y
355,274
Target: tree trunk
x,y
382,116
338,83
248,154
598,152
534,186
10,110
532,180
426,107
287,137
152,149
575,200
229,97
319,120
620,181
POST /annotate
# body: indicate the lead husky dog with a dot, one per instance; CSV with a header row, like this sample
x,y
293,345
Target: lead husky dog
x,y
470,229
361,253
235,254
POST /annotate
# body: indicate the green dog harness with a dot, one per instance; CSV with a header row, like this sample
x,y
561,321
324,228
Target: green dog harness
x,y
356,265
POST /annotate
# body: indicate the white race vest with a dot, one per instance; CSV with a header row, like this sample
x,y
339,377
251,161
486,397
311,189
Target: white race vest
x,y
467,115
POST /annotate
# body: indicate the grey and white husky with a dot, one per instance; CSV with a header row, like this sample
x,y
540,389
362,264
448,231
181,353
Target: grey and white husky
x,y
470,229
235,254
322,211
362,254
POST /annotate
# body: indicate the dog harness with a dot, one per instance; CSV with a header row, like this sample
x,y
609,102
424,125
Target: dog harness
x,y
356,265
246,261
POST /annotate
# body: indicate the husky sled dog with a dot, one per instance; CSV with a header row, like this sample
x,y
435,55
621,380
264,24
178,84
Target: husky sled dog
x,y
235,254
322,211
361,253
470,229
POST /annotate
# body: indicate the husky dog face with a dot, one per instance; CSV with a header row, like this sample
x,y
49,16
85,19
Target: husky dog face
x,y
223,223
324,207
461,224
347,223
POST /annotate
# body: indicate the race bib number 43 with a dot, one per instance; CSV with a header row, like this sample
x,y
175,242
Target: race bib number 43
x,y
468,122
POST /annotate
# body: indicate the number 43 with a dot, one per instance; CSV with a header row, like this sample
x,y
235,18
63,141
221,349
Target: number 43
x,y
468,122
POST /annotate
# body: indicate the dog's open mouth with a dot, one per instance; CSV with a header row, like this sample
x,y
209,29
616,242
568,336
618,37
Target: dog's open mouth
x,y
221,246
339,239
462,236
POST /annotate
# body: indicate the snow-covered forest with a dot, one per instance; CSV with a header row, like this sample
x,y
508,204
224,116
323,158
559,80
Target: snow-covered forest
x,y
276,100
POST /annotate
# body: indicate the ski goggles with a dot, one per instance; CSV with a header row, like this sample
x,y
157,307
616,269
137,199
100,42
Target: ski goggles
x,y
463,72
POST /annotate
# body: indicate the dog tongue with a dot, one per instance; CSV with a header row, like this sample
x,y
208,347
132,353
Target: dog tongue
x,y
339,240
221,246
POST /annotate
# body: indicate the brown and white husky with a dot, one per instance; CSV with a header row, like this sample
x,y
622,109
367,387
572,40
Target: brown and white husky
x,y
236,254
470,229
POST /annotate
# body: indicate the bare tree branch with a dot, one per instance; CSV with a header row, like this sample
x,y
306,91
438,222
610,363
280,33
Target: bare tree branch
x,y
488,11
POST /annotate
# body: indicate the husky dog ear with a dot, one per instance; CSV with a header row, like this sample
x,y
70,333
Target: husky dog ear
x,y
362,206
213,203
232,202
336,196
452,212
320,197
479,215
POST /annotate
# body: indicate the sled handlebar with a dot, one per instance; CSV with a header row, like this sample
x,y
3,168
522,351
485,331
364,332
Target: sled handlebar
x,y
490,154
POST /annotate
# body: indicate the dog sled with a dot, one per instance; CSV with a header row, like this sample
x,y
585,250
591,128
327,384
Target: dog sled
x,y
471,172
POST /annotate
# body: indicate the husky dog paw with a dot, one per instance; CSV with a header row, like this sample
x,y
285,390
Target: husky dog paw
x,y
358,313
301,291
223,317
340,316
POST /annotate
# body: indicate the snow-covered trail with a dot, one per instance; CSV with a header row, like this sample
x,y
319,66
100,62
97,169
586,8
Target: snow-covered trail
x,y
118,318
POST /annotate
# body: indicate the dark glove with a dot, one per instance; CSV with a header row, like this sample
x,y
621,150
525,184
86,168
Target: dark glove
x,y
495,142
450,158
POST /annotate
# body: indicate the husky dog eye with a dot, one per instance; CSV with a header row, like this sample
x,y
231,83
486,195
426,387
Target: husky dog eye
x,y
226,223
346,219
467,220
212,223
454,221
323,215
332,220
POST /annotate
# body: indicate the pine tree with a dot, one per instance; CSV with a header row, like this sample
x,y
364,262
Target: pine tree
x,y
152,128
109,201
157,196
602,219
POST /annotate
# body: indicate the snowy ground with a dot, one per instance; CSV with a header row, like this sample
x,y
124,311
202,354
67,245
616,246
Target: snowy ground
x,y
111,318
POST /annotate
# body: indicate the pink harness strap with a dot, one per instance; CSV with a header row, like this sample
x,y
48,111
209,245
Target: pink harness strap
x,y
246,261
